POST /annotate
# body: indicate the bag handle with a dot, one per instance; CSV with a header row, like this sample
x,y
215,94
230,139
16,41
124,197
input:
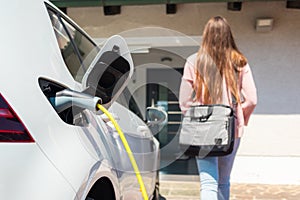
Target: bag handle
x,y
202,118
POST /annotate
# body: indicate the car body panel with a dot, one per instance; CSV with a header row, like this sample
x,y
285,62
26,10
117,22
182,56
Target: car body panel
x,y
20,177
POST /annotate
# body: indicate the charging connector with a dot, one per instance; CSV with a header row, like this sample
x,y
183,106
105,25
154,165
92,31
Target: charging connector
x,y
67,98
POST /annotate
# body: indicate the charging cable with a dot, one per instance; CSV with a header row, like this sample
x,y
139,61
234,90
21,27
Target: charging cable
x,y
67,98
128,150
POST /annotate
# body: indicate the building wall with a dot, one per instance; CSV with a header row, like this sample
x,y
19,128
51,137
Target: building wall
x,y
274,56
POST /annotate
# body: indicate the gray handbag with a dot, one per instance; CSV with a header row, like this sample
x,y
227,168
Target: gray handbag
x,y
208,130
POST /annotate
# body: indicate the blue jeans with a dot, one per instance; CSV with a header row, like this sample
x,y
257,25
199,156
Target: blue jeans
x,y
214,175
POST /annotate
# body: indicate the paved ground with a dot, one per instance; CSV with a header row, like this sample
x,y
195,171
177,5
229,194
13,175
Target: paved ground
x,y
189,190
253,178
266,167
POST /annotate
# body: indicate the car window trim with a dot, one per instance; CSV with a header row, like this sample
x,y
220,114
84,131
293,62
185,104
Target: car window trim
x,y
70,22
71,39
61,16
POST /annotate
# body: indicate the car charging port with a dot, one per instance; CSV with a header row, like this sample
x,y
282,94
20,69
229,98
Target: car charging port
x,y
73,115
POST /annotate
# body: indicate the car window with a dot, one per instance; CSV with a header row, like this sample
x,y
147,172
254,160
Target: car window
x,y
77,50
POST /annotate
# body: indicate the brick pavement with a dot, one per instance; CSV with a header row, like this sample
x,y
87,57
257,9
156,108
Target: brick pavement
x,y
189,190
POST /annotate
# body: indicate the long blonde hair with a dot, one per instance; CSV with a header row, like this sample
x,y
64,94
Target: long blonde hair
x,y
218,58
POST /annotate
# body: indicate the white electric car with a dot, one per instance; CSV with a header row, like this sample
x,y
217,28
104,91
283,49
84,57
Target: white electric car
x,y
69,152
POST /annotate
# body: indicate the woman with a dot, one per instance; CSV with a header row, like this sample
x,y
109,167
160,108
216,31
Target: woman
x,y
218,73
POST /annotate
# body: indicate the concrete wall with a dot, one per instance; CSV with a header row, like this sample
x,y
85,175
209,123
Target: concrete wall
x,y
274,56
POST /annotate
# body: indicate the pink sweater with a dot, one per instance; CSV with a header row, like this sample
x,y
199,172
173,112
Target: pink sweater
x,y
247,88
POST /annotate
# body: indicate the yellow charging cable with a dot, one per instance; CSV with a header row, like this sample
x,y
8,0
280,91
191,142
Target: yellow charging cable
x,y
128,150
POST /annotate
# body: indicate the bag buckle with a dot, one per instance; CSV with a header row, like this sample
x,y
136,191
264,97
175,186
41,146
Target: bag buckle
x,y
203,118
